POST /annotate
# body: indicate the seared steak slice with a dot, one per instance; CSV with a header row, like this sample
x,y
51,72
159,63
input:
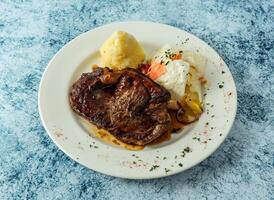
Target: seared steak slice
x,y
128,104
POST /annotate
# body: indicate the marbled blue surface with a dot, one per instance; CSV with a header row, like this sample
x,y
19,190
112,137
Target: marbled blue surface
x,y
32,167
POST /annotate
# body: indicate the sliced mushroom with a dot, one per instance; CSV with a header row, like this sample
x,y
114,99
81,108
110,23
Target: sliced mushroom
x,y
173,105
186,116
176,125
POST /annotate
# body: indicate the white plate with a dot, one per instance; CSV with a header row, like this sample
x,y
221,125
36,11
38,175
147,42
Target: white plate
x,y
66,130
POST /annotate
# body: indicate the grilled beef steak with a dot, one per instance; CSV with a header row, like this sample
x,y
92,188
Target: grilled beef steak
x,y
128,104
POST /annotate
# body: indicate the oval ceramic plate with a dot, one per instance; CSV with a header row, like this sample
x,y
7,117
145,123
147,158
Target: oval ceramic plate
x,y
184,150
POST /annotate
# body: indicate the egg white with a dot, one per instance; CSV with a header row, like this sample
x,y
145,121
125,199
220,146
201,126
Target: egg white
x,y
178,72
175,78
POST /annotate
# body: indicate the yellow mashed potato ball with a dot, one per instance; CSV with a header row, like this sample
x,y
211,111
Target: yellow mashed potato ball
x,y
121,50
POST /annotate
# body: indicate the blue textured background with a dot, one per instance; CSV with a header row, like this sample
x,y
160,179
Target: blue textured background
x,y
32,167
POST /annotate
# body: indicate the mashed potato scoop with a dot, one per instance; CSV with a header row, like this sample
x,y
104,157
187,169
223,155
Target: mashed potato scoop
x,y
121,50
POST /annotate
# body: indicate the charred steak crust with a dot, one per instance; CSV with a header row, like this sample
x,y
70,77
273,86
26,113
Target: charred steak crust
x,y
128,104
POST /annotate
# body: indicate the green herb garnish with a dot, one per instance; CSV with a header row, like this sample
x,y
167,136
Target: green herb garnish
x,y
154,167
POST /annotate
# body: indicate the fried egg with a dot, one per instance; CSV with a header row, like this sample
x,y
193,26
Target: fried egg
x,y
174,78
178,71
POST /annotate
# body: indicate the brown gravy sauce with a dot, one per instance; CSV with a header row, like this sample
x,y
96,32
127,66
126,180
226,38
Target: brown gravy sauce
x,y
110,139
164,137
